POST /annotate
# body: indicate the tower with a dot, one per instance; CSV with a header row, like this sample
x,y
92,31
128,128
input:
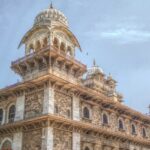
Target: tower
x,y
55,107
50,75
49,44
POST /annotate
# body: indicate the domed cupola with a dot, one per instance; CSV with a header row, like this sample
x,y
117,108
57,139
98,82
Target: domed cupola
x,y
50,15
50,28
95,78
95,71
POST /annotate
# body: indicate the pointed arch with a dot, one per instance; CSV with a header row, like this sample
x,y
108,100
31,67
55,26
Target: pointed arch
x,y
69,51
62,47
133,129
45,42
1,115
31,48
105,118
6,144
121,124
37,45
56,42
144,132
11,113
86,112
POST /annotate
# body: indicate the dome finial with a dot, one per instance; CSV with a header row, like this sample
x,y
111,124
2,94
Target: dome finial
x,y
110,75
51,5
94,62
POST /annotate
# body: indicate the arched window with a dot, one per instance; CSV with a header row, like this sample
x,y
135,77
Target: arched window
x,y
105,119
133,129
38,45
144,132
1,116
7,145
86,113
62,47
45,42
11,114
121,125
86,148
56,43
69,51
31,48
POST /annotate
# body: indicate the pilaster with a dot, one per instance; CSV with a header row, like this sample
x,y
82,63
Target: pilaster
x,y
76,108
17,141
48,104
76,141
20,104
47,138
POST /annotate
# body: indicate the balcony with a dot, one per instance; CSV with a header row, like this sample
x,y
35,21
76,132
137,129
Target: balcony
x,y
50,51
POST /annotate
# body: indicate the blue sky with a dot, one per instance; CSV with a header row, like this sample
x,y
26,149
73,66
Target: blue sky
x,y
114,32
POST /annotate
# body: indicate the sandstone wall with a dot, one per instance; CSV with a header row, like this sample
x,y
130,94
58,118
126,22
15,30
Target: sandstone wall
x,y
34,104
62,140
63,104
32,140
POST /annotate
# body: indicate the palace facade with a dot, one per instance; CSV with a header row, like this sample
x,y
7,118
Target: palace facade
x,y
59,103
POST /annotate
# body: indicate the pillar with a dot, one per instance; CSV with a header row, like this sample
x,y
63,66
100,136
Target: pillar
x,y
48,105
17,141
20,104
47,138
76,141
76,108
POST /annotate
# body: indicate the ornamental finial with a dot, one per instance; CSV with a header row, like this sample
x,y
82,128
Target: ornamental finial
x,y
94,63
110,75
51,5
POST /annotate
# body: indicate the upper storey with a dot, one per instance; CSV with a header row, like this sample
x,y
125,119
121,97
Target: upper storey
x,y
48,44
98,81
50,28
50,52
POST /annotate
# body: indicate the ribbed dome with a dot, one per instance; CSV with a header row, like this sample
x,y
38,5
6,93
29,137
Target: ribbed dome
x,y
94,70
49,15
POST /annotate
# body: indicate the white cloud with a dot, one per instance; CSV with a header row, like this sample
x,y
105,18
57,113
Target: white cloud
x,y
120,32
126,35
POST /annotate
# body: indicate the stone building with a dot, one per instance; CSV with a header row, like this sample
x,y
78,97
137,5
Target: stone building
x,y
59,103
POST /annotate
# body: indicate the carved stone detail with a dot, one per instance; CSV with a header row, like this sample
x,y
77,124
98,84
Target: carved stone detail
x,y
29,143
34,104
62,140
63,104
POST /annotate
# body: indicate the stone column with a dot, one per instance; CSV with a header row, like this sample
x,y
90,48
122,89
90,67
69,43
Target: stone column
x,y
76,141
20,104
76,108
47,138
17,141
48,104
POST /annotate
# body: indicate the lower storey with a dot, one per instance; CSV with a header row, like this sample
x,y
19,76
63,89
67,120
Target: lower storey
x,y
51,138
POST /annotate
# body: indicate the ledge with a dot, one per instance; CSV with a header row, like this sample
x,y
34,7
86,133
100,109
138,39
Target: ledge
x,y
78,125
